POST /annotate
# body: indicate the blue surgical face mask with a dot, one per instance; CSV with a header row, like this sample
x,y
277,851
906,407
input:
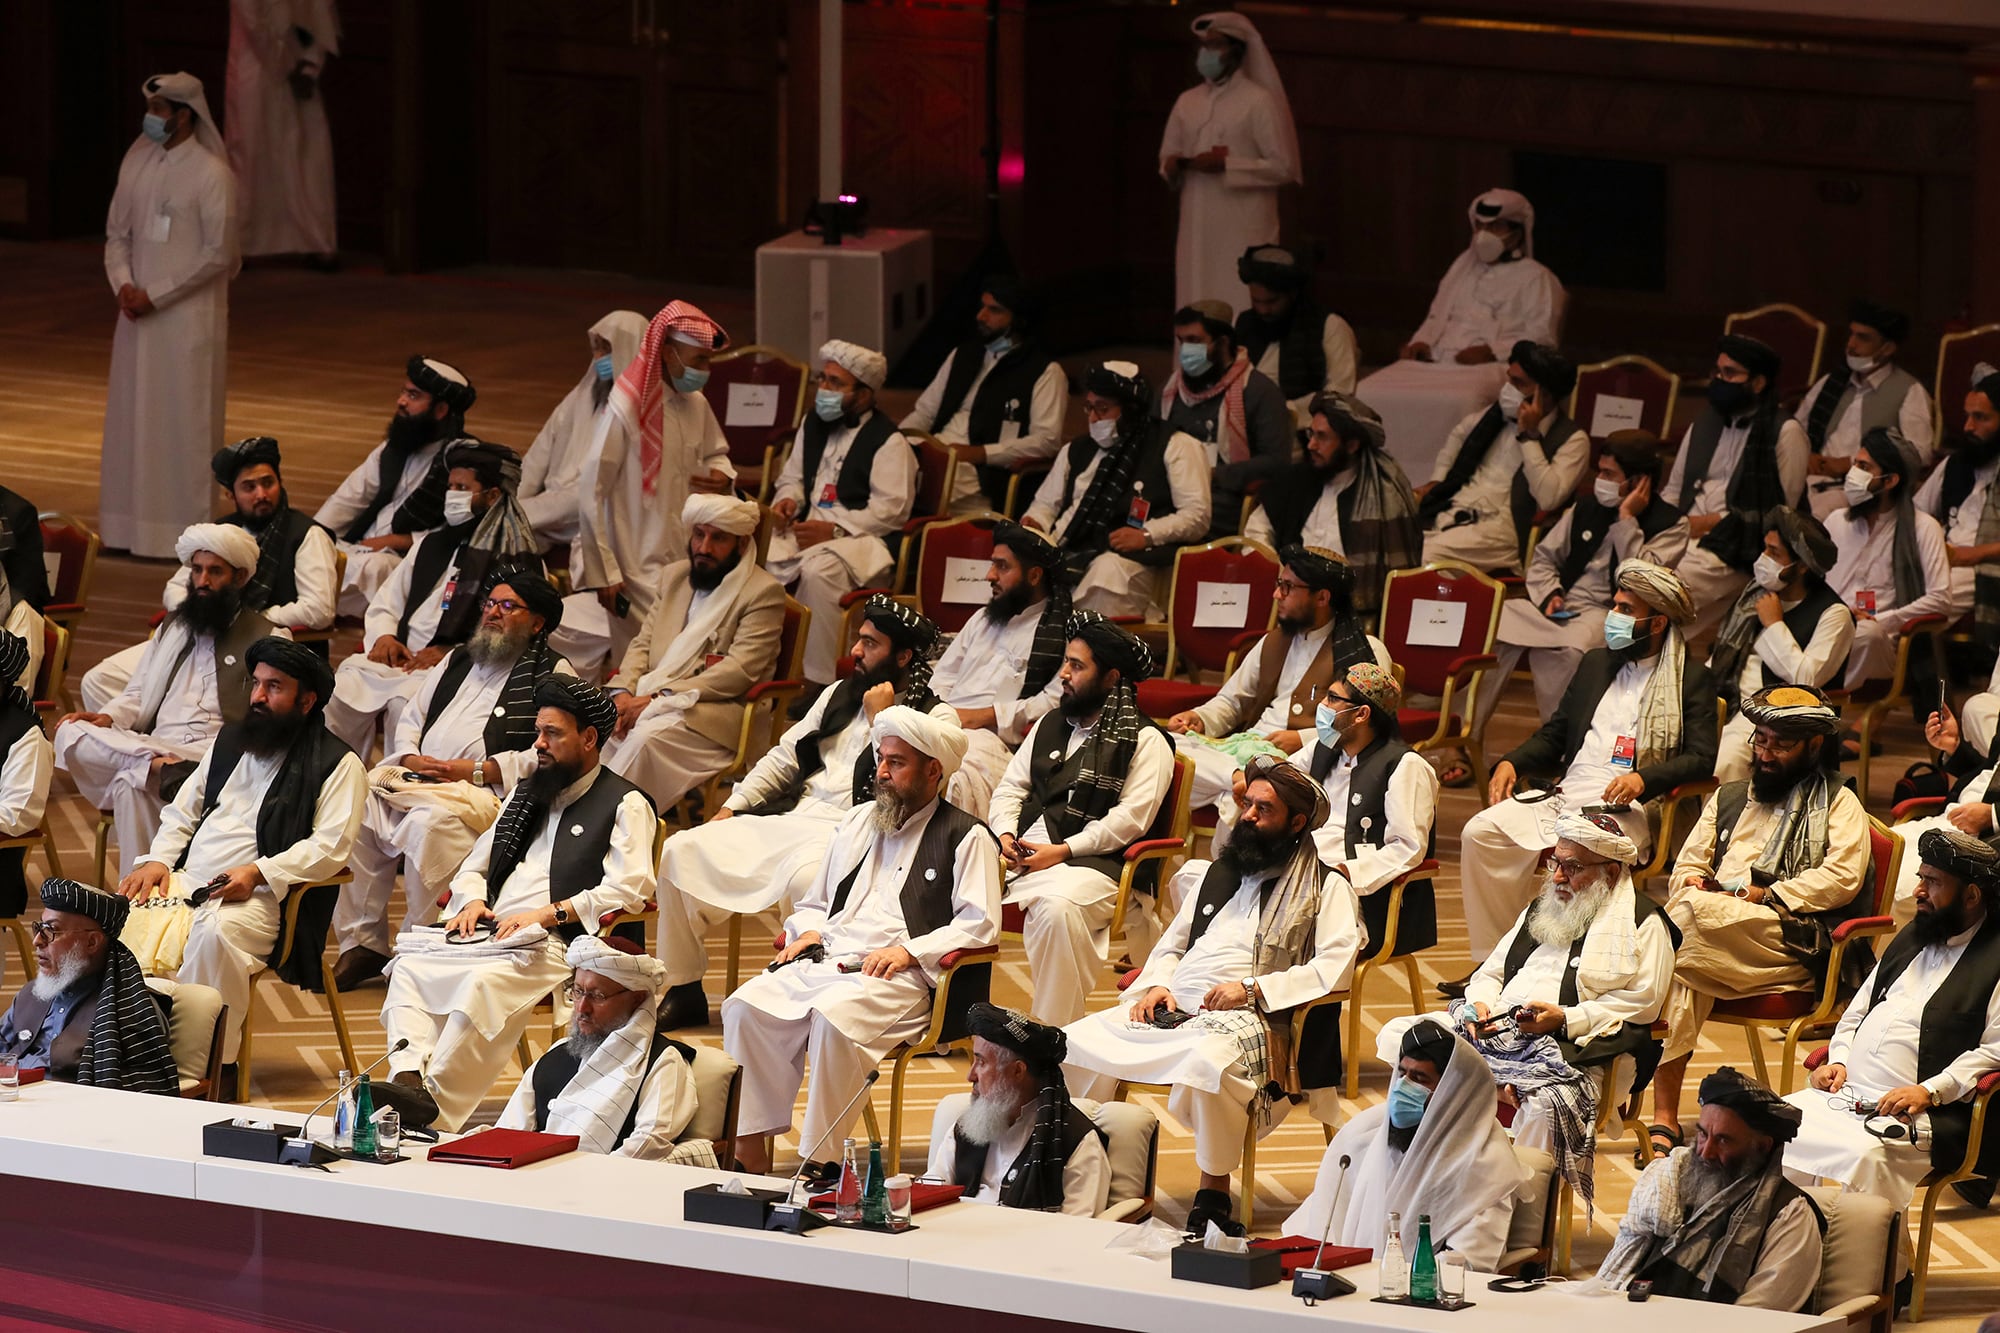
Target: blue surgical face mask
x,y
1326,721
1001,345
1407,1101
831,404
155,127
690,380
603,367
1208,63
1195,359
1620,631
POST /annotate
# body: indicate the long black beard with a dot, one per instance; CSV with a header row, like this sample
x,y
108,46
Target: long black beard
x,y
1253,850
413,432
708,580
600,394
1771,788
1083,704
1939,924
255,526
1972,448
1399,1138
209,613
884,672
266,733
1296,624
549,780
1002,607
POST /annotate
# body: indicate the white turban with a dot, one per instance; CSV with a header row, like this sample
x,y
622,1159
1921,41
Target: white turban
x,y
1605,838
633,971
722,511
871,368
940,740
225,540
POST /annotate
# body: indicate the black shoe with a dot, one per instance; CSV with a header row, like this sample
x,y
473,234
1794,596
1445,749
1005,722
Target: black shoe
x,y
227,1079
1212,1206
821,1175
412,1102
1904,1290
357,967
1974,1190
1454,990
683,1006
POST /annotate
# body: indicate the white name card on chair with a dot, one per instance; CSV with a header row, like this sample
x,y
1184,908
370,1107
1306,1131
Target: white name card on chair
x,y
1436,624
53,565
1221,605
751,405
965,582
1610,413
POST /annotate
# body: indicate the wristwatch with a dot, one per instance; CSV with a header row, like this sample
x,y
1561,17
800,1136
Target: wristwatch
x,y
562,914
1250,989
479,770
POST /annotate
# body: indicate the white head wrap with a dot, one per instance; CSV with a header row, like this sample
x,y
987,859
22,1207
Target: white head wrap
x,y
624,330
871,368
1260,69
722,511
1586,832
186,88
1514,207
633,971
226,540
940,740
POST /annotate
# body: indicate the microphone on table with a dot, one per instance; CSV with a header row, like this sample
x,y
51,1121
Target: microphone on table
x,y
1316,1284
299,1150
796,1217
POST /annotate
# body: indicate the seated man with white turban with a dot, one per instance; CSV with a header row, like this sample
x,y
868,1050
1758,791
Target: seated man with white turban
x,y
848,483
617,1082
712,633
1778,857
907,879
1016,1139
1719,1221
1261,930
1637,720
573,842
1892,567
1434,1149
193,677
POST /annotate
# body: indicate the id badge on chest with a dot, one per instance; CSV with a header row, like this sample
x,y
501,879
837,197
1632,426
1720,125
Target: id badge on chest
x,y
1135,517
1864,602
826,496
1625,753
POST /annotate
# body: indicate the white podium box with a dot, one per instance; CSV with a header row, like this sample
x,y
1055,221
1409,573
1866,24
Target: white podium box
x,y
875,290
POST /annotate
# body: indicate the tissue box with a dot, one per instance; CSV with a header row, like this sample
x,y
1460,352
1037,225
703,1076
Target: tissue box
x,y
223,1139
1194,1262
709,1203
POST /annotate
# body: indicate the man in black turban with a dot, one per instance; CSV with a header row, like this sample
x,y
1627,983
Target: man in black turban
x,y
1016,1139
1287,335
1865,391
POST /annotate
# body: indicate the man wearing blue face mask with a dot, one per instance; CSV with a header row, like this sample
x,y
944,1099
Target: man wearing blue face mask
x,y
1238,414
554,462
999,397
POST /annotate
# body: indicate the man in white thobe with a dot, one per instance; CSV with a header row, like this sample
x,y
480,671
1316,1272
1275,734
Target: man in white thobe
x,y
657,442
573,843
908,879
1960,492
553,465
848,483
278,138
1892,566
192,678
170,249
1229,147
273,804
1868,391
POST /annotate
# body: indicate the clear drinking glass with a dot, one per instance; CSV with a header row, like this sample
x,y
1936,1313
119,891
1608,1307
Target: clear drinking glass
x,y
388,1134
900,1188
1451,1279
10,1078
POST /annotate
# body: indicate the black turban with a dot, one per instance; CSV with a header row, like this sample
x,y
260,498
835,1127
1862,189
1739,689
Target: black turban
x,y
1428,1040
1961,856
904,624
1010,291
494,464
231,459
1794,712
299,662
1763,1110
1272,266
1111,646
1756,357
1042,1046
1300,793
1891,323
108,910
1321,570
1805,537
534,589
1544,365
1029,546
458,397
1987,383
1132,392
1350,416
590,706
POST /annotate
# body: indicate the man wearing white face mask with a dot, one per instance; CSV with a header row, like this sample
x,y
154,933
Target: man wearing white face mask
x,y
1892,566
1867,391
1504,463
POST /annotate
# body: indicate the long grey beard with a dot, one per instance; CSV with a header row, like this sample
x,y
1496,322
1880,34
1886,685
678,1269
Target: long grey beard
x,y
48,985
987,1118
489,646
1559,924
584,1045
891,810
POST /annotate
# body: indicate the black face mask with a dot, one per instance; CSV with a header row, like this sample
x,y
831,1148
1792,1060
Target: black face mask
x,y
1974,449
1730,398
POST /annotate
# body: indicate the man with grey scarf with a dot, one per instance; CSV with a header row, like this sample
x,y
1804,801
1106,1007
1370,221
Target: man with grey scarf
x,y
1892,566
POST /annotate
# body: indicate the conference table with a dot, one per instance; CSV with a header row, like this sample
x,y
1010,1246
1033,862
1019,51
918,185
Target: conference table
x,y
113,1217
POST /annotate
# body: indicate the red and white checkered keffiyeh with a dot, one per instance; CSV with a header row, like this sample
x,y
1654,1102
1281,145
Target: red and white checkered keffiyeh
x,y
638,391
1233,429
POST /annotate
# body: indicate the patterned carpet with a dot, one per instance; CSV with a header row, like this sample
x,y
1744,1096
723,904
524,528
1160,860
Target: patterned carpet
x,y
317,361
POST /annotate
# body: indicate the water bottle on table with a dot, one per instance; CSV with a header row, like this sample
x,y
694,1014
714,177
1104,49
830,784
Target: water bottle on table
x,y
1394,1282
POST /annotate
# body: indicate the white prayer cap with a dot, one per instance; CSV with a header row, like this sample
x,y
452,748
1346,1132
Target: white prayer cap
x,y
722,511
1597,833
934,737
871,368
225,540
633,971
186,89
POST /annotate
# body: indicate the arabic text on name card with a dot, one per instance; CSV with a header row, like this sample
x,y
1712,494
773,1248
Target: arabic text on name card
x,y
751,405
1221,605
1436,624
1612,413
965,581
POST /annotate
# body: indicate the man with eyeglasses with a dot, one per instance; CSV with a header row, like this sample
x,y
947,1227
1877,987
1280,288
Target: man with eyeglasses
x,y
457,750
1773,866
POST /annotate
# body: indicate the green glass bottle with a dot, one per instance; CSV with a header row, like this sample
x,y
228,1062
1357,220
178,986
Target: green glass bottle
x,y
1424,1268
875,1196
364,1119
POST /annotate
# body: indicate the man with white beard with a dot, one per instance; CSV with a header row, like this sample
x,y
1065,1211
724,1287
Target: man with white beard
x,y
1016,1139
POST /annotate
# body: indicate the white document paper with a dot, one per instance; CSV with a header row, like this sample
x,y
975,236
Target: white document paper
x,y
1611,413
1436,624
51,563
1221,605
751,405
965,582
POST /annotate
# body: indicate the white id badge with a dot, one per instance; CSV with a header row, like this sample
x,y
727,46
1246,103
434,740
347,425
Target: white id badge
x,y
163,226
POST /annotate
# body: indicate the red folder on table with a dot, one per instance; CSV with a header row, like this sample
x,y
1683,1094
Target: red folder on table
x,y
924,1195
504,1148
1296,1252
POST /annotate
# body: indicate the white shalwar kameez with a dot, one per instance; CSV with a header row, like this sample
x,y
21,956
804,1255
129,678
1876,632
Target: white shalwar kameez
x,y
1113,585
844,1023
172,233
368,694
464,1007
1843,434
1086,1175
1322,525
552,468
1212,1089
1490,541
663,1103
985,666
857,556
1038,439
1068,907
228,944
1864,574
1961,526
1815,662
278,143
1337,346
1712,584
368,570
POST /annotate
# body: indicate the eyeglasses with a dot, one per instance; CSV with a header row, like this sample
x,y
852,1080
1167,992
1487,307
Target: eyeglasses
x,y
506,606
44,931
1759,745
1285,587
572,992
1571,867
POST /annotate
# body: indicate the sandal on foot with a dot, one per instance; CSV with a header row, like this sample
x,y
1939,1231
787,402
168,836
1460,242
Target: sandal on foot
x,y
1457,773
1658,1134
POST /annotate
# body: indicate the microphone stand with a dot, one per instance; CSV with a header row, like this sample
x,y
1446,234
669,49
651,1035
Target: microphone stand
x,y
1316,1284
301,1149
795,1217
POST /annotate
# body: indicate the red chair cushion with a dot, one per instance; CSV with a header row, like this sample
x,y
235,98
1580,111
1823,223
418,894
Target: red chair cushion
x,y
1164,698
1779,1008
1013,918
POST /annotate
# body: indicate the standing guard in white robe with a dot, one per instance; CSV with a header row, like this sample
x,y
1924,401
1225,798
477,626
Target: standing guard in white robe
x,y
1086,784
396,495
713,632
1305,353
1262,929
465,741
278,138
848,483
657,442
573,842
1892,568
1868,390
170,249
274,804
907,879
1229,147
193,677
764,846
553,465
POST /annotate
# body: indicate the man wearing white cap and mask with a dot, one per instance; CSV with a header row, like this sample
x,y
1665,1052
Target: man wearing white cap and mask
x,y
908,878
848,482
712,633
170,249
1228,148
193,677
554,462
616,1082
